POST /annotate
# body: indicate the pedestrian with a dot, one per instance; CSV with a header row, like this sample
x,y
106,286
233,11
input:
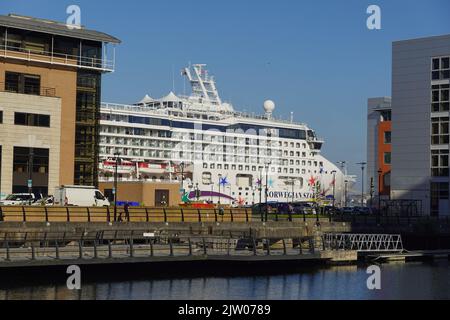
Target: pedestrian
x,y
127,212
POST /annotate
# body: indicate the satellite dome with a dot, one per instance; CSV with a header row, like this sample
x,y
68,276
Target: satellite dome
x,y
269,106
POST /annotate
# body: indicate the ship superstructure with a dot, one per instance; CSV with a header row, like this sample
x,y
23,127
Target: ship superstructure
x,y
217,154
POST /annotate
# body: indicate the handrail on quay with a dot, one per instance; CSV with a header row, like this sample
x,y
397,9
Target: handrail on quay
x,y
53,214
138,244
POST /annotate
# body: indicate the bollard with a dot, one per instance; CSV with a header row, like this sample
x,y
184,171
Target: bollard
x,y
268,246
57,250
171,247
190,246
8,257
109,250
205,249
131,248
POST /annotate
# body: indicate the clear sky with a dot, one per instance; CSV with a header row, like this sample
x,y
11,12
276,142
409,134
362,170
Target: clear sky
x,y
315,58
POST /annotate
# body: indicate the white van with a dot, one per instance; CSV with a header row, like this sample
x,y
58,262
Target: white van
x,y
80,196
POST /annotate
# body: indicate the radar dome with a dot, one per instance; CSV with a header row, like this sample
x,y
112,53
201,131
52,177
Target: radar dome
x,y
269,106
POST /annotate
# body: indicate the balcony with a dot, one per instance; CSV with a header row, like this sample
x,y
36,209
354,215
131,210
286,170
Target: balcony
x,y
29,90
53,58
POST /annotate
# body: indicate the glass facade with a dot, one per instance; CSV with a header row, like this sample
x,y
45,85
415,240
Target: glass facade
x,y
30,163
87,128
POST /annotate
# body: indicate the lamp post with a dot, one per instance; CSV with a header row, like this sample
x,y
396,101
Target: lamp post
x,y
380,172
334,189
363,166
30,171
345,192
220,182
267,189
182,176
116,177
343,165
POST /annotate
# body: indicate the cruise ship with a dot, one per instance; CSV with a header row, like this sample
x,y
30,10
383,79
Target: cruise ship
x,y
216,154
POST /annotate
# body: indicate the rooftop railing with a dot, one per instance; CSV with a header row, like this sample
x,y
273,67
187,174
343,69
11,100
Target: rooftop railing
x,y
51,57
29,90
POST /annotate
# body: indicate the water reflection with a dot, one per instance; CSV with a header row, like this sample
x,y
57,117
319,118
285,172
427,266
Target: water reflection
x,y
399,281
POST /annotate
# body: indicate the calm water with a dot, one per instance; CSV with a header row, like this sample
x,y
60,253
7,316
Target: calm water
x,y
399,281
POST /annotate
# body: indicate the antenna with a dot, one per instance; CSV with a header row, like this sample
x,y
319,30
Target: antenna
x,y
173,78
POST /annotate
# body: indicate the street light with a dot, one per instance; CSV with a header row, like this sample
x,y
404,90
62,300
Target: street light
x,y
220,182
345,192
267,189
182,176
363,166
30,172
343,165
380,172
334,189
116,177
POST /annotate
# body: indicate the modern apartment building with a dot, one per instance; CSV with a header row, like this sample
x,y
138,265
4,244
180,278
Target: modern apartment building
x,y
50,91
379,148
418,152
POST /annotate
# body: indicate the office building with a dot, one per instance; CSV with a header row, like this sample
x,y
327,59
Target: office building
x,y
50,93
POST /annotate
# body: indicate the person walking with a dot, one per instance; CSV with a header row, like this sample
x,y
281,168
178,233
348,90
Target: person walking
x,y
127,211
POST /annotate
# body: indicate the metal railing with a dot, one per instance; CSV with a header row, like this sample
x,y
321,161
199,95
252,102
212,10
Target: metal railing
x,y
80,61
364,242
139,244
29,90
55,214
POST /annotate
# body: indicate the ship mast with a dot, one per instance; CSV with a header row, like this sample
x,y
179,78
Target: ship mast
x,y
203,85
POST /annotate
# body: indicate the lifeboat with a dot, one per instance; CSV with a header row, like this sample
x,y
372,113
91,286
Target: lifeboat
x,y
145,167
125,167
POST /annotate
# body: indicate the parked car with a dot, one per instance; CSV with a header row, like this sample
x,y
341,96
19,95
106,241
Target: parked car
x,y
18,199
304,208
348,210
46,201
362,210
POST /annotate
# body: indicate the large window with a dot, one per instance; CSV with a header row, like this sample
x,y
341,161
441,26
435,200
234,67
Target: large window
x,y
440,101
387,158
386,115
387,137
439,193
439,163
31,119
439,130
30,163
440,68
22,83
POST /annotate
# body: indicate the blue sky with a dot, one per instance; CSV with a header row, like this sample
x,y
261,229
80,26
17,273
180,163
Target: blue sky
x,y
315,58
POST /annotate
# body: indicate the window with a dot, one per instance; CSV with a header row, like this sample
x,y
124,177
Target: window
x,y
386,115
440,130
387,137
22,83
32,120
440,101
439,163
387,158
439,191
440,68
